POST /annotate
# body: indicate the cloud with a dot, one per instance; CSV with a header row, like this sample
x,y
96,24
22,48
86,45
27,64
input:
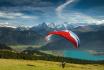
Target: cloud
x,y
75,16
60,8
32,7
6,15
17,18
82,18
13,15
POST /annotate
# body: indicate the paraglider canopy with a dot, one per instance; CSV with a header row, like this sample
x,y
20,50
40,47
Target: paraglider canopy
x,y
68,35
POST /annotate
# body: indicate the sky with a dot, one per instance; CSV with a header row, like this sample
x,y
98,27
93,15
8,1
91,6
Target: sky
x,y
33,12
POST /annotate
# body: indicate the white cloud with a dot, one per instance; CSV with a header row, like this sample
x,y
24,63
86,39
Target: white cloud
x,y
75,17
7,24
100,22
29,17
79,18
6,15
60,8
15,15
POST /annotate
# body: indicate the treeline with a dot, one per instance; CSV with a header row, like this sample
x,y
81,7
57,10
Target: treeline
x,y
37,55
33,54
27,56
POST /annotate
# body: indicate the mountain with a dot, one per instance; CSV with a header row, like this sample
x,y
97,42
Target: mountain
x,y
91,36
89,28
93,40
41,29
18,36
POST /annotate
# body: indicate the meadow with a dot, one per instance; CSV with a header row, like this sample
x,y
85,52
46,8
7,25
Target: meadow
x,y
14,64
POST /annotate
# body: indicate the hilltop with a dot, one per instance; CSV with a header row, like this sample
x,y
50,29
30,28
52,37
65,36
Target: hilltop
x,y
12,64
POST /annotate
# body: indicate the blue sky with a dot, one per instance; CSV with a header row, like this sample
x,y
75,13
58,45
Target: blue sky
x,y
33,12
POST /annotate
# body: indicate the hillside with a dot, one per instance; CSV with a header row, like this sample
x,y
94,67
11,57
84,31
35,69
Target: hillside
x,y
5,47
12,64
35,35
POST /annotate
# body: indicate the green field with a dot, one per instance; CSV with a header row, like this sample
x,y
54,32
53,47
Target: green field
x,y
13,64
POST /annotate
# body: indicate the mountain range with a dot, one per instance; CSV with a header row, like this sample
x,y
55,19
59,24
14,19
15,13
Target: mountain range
x,y
91,36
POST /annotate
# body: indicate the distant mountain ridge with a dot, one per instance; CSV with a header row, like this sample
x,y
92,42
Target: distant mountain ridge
x,y
90,35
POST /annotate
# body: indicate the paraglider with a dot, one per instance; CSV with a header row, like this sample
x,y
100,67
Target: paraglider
x,y
68,35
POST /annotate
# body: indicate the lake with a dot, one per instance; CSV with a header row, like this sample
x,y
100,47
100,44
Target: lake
x,y
82,55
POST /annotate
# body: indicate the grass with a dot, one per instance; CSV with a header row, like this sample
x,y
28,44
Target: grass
x,y
14,64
